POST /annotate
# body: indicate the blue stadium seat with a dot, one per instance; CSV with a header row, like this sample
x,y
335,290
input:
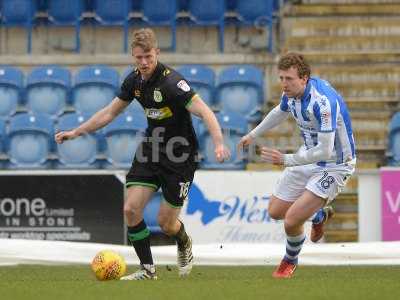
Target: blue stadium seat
x,y
19,13
30,141
234,126
231,5
161,13
198,125
3,140
11,87
183,5
81,152
202,79
125,73
2,134
394,141
48,89
209,13
67,13
257,13
150,213
123,135
135,108
114,13
240,89
94,87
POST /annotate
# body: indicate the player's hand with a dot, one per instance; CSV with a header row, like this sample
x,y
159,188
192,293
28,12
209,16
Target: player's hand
x,y
222,153
62,136
245,142
271,156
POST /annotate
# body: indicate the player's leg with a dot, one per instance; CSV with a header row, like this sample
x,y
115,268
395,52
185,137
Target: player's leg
x,y
176,180
319,220
138,233
277,208
327,183
172,226
141,183
301,210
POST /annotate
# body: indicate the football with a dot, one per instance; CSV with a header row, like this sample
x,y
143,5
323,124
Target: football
x,y
108,265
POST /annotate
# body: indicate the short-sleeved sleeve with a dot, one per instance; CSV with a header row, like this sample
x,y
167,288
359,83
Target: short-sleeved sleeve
x,y
127,89
180,90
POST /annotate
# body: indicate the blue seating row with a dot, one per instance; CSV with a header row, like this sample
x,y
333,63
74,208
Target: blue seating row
x,y
148,13
27,140
50,89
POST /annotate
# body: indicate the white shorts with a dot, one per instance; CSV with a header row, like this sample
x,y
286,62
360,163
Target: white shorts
x,y
325,182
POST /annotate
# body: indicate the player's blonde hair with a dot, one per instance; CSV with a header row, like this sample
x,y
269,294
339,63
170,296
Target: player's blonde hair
x,y
297,61
144,38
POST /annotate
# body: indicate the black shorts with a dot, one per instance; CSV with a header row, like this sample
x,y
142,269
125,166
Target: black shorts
x,y
174,179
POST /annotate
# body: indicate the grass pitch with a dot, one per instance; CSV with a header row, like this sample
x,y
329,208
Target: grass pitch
x,y
77,282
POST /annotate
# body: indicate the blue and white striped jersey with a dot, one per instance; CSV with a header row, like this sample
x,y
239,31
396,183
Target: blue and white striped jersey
x,y
322,109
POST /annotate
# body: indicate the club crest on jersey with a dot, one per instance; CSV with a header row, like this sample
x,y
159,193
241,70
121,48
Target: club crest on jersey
x,y
183,86
157,95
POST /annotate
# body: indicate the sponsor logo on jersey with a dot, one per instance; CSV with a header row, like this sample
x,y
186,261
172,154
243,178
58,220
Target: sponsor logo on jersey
x,y
166,72
157,95
183,86
158,113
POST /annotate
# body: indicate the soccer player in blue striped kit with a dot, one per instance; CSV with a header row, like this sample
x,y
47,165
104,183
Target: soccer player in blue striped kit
x,y
318,171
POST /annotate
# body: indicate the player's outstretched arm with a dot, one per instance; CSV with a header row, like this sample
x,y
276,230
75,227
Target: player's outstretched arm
x,y
245,141
97,121
200,109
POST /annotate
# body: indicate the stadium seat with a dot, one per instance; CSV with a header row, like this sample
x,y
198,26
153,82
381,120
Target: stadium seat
x,y
122,136
197,125
183,5
2,141
11,87
19,13
48,89
202,80
94,87
234,126
29,141
240,90
67,13
231,5
135,108
209,13
81,152
125,73
161,13
150,213
257,13
2,134
114,13
393,153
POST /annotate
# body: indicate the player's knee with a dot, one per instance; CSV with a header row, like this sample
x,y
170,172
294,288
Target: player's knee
x,y
274,213
292,223
165,223
131,209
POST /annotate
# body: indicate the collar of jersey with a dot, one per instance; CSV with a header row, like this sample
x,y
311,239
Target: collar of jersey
x,y
306,93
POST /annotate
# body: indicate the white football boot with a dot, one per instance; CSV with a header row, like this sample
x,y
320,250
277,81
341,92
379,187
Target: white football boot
x,y
145,272
185,258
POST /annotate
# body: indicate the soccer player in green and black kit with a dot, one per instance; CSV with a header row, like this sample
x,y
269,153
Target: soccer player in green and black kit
x,y
167,156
